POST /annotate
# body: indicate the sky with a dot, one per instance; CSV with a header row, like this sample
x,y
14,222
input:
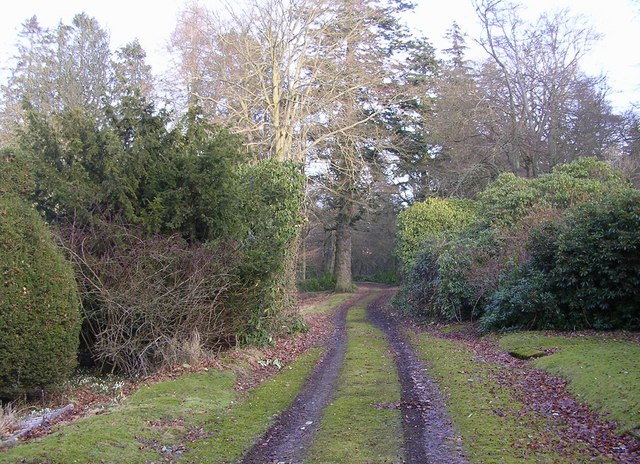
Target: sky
x,y
617,55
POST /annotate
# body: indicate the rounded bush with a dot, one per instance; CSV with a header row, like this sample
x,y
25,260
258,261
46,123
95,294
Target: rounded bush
x,y
583,272
39,303
432,218
597,268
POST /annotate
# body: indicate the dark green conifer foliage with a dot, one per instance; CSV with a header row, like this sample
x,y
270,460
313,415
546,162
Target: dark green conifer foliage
x,y
39,303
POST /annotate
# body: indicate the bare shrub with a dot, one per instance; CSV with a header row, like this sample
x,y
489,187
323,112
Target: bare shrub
x,y
149,302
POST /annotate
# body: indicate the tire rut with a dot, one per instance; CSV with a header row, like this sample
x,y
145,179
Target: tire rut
x,y
428,431
288,438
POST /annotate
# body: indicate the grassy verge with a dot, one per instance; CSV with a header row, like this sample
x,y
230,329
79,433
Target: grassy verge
x,y
493,425
173,415
238,428
327,305
115,435
355,428
603,372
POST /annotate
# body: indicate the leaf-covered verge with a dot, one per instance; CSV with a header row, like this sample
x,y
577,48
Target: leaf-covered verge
x,y
603,371
494,424
361,425
561,251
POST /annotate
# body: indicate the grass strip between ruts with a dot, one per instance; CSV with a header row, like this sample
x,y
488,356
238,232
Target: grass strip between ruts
x,y
602,371
494,426
361,424
331,302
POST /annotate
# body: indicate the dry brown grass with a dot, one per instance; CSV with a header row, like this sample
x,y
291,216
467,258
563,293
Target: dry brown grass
x,y
9,418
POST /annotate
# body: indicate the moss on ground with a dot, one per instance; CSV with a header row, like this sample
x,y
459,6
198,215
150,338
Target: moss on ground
x,y
123,434
327,305
454,328
237,429
358,426
525,353
171,414
602,371
494,426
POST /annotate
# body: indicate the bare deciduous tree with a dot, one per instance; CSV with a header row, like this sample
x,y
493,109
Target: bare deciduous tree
x,y
299,79
537,66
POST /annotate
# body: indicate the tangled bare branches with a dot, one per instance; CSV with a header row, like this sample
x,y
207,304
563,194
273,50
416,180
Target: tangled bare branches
x,y
149,302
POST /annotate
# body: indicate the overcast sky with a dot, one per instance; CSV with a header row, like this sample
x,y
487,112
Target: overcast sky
x,y
617,54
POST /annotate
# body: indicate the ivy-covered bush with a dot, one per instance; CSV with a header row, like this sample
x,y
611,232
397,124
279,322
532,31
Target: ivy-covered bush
x,y
39,304
272,214
429,219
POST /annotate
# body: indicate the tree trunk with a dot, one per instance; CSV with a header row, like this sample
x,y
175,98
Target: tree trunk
x,y
342,268
329,253
303,257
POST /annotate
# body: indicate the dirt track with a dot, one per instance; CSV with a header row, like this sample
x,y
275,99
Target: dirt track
x,y
428,433
290,435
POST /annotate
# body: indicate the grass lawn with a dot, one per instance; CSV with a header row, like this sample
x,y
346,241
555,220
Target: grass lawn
x,y
354,428
170,414
116,435
199,413
494,426
602,371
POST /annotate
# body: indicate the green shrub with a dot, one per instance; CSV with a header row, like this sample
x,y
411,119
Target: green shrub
x,y
39,304
510,199
510,263
417,296
583,272
15,174
523,301
464,276
580,181
454,293
430,218
507,200
597,269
